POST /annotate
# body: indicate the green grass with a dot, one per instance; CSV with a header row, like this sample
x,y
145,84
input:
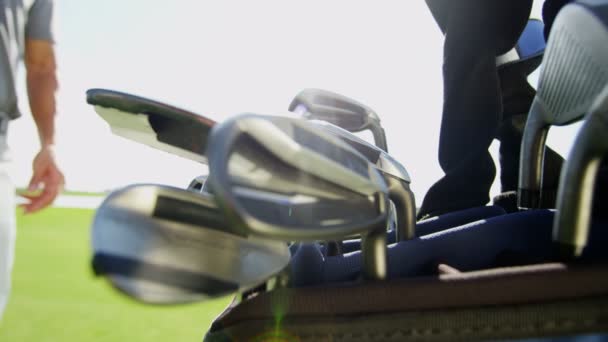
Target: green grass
x,y
83,193
56,297
73,193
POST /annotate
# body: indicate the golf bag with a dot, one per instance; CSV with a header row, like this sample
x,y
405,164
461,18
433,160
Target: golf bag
x,y
532,274
474,275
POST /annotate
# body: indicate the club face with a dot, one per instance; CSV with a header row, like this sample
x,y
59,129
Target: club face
x,y
165,245
152,123
334,108
284,179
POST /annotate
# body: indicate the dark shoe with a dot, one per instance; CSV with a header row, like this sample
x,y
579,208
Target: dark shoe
x,y
508,201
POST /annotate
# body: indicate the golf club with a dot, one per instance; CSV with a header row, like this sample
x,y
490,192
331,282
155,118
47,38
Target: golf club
x,y
395,175
284,179
184,133
165,245
341,116
339,110
152,123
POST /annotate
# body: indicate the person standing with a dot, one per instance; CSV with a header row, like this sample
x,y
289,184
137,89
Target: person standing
x,y
481,104
26,36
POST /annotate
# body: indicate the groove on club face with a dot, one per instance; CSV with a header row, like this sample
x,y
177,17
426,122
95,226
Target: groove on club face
x,y
165,245
283,179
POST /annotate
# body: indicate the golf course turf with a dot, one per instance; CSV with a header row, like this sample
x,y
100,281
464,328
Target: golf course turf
x,y
56,297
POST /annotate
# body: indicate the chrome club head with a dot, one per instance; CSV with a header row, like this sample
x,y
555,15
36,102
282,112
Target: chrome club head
x,y
284,179
164,245
339,110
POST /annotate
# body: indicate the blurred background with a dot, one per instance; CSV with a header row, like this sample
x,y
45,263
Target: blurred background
x,y
224,58
216,58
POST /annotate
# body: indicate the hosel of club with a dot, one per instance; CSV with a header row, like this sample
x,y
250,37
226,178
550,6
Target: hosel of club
x,y
531,159
572,220
399,192
374,251
374,254
379,136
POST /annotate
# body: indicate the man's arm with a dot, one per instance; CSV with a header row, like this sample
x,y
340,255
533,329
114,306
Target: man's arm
x,y
41,86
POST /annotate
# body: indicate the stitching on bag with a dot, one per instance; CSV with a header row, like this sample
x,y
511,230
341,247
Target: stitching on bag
x,y
541,326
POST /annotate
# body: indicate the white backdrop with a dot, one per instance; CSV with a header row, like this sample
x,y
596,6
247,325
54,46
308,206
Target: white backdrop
x,y
221,58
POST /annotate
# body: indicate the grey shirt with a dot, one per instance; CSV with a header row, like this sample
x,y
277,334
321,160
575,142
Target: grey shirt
x,y
19,20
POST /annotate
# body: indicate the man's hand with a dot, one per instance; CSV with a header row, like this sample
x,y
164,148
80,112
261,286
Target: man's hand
x,y
47,180
47,177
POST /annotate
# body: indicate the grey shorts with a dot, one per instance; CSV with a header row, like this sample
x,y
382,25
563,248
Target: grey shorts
x,y
3,142
3,126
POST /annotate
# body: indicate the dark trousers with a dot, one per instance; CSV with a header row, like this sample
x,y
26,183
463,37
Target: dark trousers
x,y
480,104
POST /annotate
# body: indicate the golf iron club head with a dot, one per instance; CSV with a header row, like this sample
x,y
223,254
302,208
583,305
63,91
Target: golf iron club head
x,y
339,110
284,179
153,123
165,245
395,175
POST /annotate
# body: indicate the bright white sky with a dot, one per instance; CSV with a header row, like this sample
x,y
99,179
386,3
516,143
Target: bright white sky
x,y
222,58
